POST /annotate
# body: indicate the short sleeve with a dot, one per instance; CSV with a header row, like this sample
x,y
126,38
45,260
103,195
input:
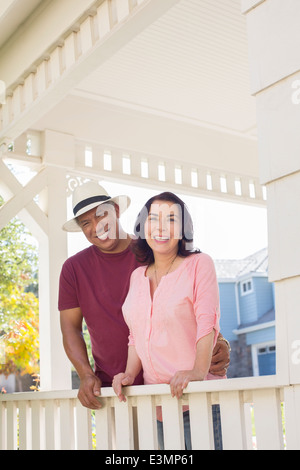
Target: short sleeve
x,y
67,297
206,297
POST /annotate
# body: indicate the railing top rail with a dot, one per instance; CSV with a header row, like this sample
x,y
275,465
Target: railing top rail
x,y
240,384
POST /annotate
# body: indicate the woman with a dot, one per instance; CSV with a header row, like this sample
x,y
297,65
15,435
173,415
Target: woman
x,y
172,307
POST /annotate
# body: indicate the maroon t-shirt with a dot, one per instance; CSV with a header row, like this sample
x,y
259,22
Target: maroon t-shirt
x,y
98,283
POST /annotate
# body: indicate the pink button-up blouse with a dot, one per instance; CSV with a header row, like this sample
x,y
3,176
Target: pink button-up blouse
x,y
165,330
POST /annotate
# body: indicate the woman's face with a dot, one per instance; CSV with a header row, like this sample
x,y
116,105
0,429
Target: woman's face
x,y
163,227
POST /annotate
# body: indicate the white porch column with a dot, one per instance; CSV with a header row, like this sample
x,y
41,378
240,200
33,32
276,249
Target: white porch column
x,y
54,367
274,38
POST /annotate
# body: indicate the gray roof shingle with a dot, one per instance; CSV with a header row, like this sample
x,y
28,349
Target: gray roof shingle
x,y
235,268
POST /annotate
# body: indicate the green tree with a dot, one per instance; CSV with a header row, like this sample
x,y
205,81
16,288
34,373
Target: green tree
x,y
19,334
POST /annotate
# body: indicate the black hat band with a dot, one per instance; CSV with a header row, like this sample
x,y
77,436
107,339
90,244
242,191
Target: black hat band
x,y
88,201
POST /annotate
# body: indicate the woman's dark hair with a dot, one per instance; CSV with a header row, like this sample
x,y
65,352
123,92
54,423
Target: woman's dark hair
x,y
140,247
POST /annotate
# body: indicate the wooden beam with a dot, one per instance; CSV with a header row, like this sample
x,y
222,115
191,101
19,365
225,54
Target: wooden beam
x,y
23,198
76,56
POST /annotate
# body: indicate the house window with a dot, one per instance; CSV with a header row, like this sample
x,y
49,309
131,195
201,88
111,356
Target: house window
x,y
246,287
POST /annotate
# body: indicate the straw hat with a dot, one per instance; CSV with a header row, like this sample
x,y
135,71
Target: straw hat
x,y
88,196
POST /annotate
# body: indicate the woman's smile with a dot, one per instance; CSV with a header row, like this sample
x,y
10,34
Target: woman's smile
x,y
161,239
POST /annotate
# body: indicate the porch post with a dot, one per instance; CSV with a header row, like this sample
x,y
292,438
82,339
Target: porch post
x,y
54,366
274,38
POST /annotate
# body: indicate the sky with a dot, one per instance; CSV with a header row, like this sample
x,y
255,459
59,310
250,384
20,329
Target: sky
x,y
221,229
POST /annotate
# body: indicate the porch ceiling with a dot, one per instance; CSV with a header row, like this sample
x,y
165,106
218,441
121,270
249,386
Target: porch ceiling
x,y
190,65
13,13
169,80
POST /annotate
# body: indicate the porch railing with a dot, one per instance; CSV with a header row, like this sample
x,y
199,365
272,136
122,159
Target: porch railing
x,y
255,413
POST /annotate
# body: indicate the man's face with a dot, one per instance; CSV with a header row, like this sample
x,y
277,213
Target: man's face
x,y
101,226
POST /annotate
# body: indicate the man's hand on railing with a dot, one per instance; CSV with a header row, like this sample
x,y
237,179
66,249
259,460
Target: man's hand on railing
x,y
89,390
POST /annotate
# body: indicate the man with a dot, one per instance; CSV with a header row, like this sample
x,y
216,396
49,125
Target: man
x,y
93,286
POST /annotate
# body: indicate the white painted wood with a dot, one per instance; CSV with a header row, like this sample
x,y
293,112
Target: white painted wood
x,y
80,155
248,410
52,430
98,159
5,7
135,176
37,426
28,90
278,119
284,242
55,369
147,428
47,23
55,68
123,422
42,77
105,429
58,147
230,179
173,423
287,298
17,101
95,169
233,421
22,198
33,217
86,34
83,427
248,5
3,425
89,59
12,437
56,411
122,7
70,50
103,18
66,409
268,424
117,161
292,417
6,113
24,426
201,421
273,30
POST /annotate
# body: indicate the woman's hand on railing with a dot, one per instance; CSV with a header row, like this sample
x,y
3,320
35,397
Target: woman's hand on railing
x,y
119,381
181,380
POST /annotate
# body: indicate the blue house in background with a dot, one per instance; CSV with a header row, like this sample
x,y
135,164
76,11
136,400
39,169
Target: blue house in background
x,y
248,314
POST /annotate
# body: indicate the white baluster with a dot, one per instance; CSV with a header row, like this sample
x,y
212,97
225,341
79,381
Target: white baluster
x,y
147,427
201,421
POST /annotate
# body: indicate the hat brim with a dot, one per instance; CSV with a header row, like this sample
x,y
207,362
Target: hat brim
x,y
122,201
